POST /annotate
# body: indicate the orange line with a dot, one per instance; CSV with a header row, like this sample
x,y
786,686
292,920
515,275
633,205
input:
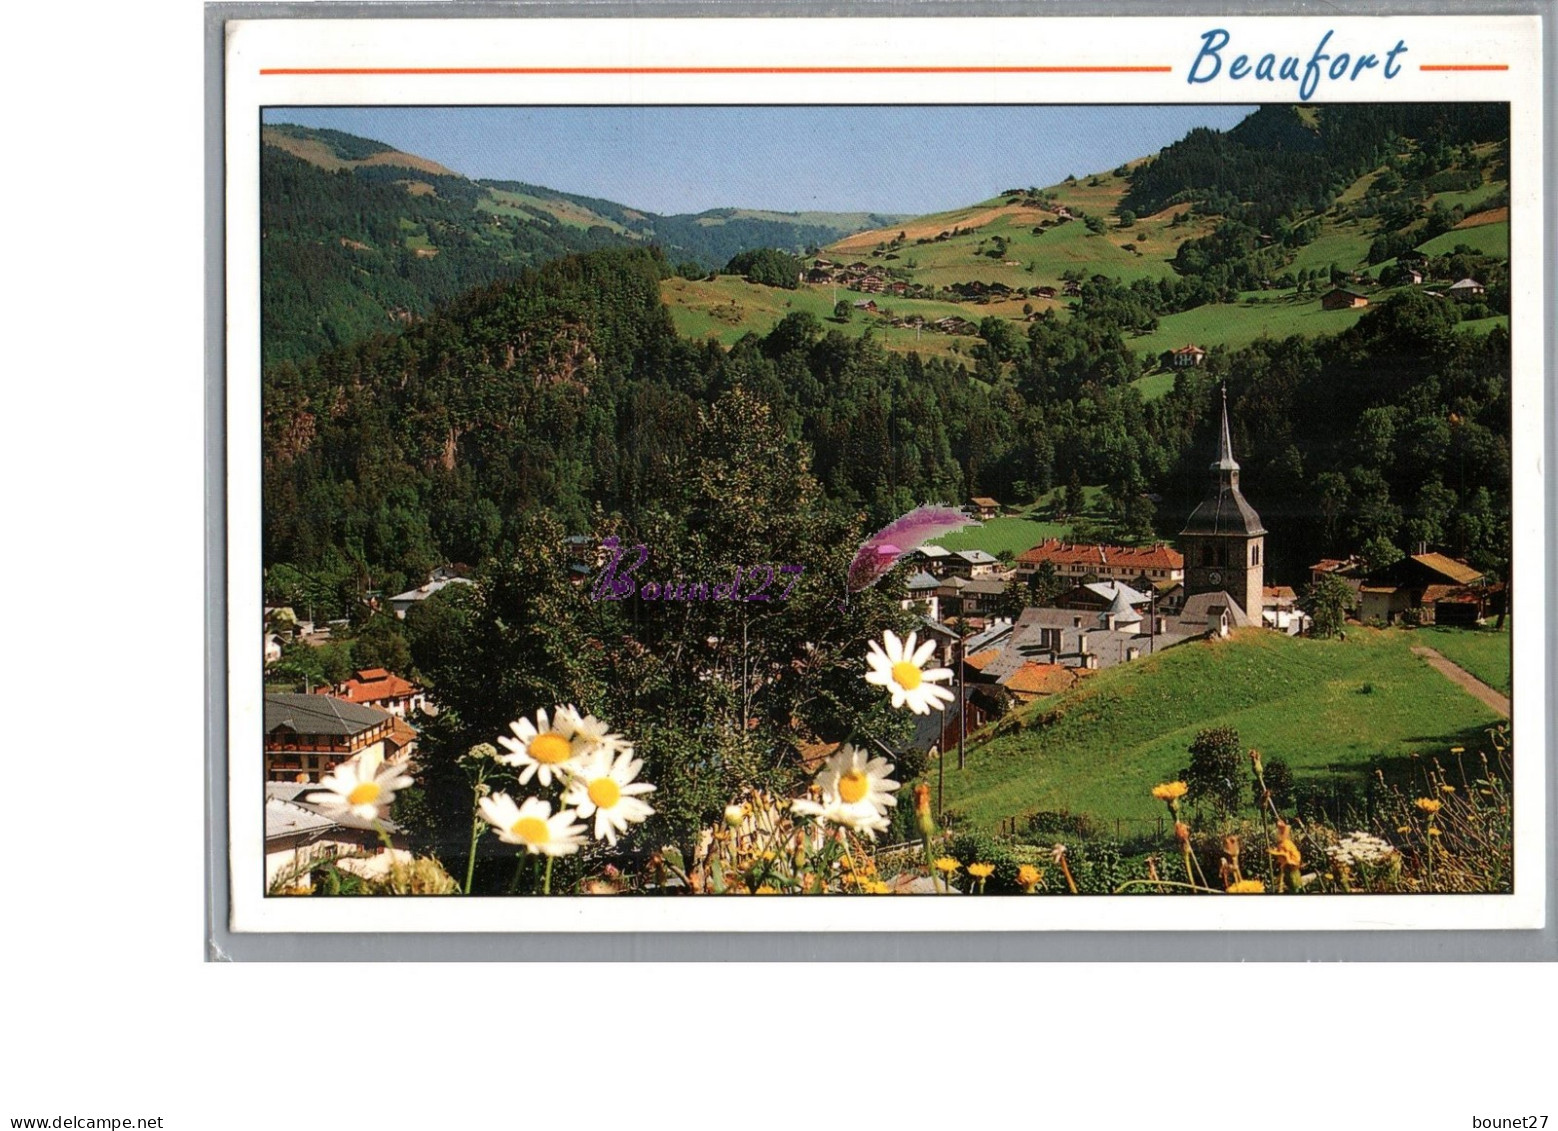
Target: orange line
x,y
1463,67
713,70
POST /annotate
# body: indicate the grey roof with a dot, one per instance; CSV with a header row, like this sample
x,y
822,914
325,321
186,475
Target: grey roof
x,y
976,557
923,580
1223,510
319,714
931,551
1199,611
1114,591
1122,610
289,812
987,585
980,641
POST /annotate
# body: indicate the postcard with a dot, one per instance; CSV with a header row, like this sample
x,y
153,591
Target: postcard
x,y
949,474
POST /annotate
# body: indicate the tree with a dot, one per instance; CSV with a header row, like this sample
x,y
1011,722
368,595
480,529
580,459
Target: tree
x,y
1326,602
1213,775
1075,500
1127,218
843,310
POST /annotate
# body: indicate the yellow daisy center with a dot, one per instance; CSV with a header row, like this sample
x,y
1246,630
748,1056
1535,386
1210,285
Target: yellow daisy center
x,y
605,793
906,675
364,793
550,748
854,785
532,830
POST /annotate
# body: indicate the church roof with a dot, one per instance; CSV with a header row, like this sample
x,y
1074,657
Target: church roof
x,y
1223,510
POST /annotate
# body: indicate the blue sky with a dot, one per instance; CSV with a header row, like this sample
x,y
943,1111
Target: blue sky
x,y
905,159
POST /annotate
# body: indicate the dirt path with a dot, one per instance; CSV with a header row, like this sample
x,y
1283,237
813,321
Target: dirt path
x,y
1498,701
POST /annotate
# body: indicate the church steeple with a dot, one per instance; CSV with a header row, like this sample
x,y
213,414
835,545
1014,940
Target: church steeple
x,y
1225,460
1223,538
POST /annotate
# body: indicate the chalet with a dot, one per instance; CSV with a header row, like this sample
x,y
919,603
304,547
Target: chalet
x,y
964,598
935,560
866,304
309,735
1044,292
1412,275
402,603
922,592
1102,596
974,564
1160,564
984,506
1342,299
378,687
1188,356
1466,290
1280,611
1073,288
1417,583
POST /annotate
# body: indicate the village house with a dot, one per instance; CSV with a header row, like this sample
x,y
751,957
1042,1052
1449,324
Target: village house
x,y
378,687
974,564
922,594
1342,299
402,603
1161,565
1188,356
1280,611
935,560
1419,583
1466,290
299,836
1098,596
307,736
984,507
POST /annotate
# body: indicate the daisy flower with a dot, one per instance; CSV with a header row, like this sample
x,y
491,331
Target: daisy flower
x,y
900,667
363,786
602,786
546,747
590,732
532,825
855,793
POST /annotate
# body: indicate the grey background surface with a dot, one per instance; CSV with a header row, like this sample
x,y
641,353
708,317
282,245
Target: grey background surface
x,y
1395,946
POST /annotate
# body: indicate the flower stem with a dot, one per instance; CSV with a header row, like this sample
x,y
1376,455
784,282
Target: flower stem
x,y
546,883
470,863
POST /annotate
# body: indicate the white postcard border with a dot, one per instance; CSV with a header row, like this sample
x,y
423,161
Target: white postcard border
x,y
913,61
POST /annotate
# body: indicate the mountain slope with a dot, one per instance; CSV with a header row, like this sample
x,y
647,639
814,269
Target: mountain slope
x,y
359,236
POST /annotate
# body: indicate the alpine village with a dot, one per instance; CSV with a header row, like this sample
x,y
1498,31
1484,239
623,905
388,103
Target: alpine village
x,y
570,579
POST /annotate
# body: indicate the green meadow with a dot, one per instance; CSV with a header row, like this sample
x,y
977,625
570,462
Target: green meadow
x,y
1322,706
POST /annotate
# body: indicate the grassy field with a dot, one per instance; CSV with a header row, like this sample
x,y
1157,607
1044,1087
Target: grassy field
x,y
1239,324
1006,533
1320,705
1154,385
730,307
1481,651
1489,239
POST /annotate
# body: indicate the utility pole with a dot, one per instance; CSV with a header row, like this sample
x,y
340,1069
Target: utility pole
x,y
962,701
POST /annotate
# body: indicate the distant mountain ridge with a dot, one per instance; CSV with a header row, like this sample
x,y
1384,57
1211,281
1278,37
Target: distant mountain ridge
x,y
360,236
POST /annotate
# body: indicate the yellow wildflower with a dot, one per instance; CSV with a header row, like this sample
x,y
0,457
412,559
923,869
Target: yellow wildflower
x,y
1170,791
1029,877
947,864
981,871
1246,887
1447,788
1429,804
1434,832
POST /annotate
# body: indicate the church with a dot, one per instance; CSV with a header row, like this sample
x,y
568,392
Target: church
x,y
1223,540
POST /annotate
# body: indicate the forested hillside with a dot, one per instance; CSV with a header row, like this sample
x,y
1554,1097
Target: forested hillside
x,y
358,237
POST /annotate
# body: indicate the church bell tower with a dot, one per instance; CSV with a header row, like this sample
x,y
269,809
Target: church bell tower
x,y
1223,540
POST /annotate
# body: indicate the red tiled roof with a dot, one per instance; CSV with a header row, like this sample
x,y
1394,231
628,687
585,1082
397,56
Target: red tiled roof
x,y
1040,679
979,659
1279,592
1091,553
374,685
